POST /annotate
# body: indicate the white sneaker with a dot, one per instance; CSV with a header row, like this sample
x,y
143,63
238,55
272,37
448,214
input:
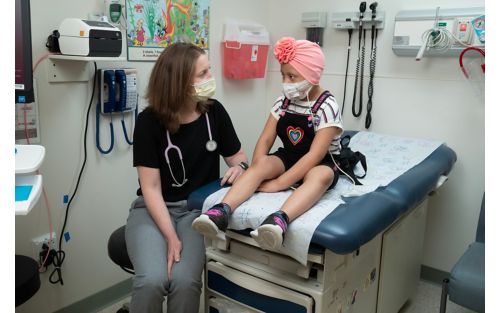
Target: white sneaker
x,y
268,236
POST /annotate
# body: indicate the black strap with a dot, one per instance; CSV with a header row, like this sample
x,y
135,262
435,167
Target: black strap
x,y
362,159
322,98
285,103
345,157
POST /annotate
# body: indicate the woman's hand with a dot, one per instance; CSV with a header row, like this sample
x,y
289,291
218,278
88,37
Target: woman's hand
x,y
173,255
232,174
272,185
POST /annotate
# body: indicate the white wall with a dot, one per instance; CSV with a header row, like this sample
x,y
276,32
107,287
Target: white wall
x,y
428,100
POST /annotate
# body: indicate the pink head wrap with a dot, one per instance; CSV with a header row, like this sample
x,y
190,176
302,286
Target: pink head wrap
x,y
303,55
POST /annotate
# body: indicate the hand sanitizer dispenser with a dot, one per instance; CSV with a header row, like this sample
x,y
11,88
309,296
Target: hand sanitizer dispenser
x,y
315,23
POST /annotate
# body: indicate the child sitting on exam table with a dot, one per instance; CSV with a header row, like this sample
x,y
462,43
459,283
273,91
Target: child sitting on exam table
x,y
311,140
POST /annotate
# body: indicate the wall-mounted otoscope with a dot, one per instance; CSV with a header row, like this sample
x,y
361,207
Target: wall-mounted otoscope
x,y
362,9
373,8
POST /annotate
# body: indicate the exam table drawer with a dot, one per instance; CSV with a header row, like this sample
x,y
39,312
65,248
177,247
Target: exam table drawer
x,y
256,294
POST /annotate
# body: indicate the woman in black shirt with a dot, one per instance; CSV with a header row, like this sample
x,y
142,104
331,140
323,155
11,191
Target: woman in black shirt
x,y
177,142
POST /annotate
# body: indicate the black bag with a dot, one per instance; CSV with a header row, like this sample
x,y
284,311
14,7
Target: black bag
x,y
348,159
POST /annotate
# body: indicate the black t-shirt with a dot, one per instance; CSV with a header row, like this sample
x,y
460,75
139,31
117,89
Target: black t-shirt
x,y
201,165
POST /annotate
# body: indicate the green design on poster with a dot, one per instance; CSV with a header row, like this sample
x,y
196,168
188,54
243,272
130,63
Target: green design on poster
x,y
152,25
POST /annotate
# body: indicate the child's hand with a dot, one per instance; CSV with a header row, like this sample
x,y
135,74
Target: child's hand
x,y
271,185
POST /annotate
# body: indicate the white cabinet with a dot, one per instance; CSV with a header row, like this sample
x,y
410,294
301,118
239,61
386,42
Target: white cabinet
x,y
402,246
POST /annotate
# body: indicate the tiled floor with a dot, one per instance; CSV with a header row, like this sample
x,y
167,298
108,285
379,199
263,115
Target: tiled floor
x,y
426,301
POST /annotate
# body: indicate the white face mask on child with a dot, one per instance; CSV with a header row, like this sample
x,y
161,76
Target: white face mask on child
x,y
205,89
297,91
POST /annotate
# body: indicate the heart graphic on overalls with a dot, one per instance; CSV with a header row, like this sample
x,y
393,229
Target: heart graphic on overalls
x,y
295,134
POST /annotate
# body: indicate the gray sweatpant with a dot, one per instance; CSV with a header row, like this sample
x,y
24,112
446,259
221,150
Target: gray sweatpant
x,y
147,249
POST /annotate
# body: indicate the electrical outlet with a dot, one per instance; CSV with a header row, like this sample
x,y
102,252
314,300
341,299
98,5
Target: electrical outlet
x,y
37,243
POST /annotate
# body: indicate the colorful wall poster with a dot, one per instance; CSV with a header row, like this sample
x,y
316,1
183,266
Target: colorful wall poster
x,y
154,24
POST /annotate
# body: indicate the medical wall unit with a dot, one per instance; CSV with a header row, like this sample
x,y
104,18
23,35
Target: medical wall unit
x,y
315,23
113,10
437,31
370,19
364,257
245,47
117,95
27,130
350,20
24,92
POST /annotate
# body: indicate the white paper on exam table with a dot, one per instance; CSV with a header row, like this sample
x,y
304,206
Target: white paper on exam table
x,y
387,158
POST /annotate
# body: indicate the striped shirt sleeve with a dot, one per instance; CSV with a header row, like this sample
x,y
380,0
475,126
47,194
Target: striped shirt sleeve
x,y
329,114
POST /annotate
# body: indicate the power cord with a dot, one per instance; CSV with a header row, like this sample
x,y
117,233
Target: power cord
x,y
46,257
56,275
347,67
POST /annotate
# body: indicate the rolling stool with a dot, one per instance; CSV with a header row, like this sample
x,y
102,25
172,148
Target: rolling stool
x,y
117,251
27,278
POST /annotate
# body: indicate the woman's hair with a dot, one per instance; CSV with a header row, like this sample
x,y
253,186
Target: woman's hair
x,y
170,84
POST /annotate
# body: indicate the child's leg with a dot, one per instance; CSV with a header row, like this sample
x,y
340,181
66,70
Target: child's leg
x,y
216,218
271,233
314,185
265,168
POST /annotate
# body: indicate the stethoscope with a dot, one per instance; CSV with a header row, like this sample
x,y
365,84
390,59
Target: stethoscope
x,y
460,59
211,145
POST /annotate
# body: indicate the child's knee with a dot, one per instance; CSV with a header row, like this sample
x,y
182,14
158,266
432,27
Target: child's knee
x,y
260,162
322,174
261,165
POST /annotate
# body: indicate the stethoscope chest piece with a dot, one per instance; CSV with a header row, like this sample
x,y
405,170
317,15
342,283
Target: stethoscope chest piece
x,y
211,145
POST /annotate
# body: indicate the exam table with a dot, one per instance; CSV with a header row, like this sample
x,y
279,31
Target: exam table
x,y
364,257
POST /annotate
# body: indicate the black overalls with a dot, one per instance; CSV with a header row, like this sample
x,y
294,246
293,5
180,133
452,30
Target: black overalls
x,y
296,131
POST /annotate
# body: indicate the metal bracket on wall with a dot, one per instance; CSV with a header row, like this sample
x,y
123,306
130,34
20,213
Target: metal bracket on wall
x,y
62,71
67,68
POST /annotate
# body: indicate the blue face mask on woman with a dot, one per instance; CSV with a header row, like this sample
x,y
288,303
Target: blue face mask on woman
x,y
297,91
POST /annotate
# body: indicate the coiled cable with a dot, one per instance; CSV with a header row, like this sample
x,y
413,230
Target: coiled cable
x,y
359,64
373,60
